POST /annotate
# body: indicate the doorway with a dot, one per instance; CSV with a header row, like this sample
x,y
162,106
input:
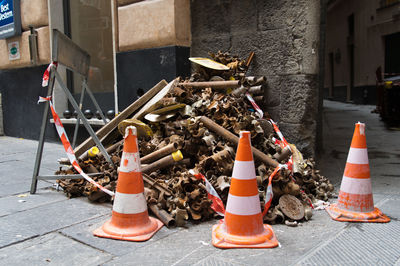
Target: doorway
x,y
392,54
89,24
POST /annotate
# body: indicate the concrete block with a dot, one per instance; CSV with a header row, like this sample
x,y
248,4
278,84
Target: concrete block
x,y
274,112
35,13
25,60
299,98
274,49
210,17
152,24
306,46
272,91
201,46
244,16
52,249
302,135
278,14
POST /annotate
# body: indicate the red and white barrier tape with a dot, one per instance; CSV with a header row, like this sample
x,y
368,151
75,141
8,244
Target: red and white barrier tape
x,y
289,164
256,107
217,204
68,148
269,194
279,133
46,74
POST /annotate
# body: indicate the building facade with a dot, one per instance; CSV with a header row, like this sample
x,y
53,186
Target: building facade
x,y
134,44
361,36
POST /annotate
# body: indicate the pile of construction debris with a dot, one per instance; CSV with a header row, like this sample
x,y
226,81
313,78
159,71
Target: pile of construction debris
x,y
194,124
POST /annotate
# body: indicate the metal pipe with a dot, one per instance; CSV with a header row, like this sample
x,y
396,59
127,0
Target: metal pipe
x,y
249,59
259,98
170,148
259,155
179,92
163,162
286,152
256,89
213,84
159,186
161,214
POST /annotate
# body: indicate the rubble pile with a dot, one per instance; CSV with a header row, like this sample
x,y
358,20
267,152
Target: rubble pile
x,y
194,127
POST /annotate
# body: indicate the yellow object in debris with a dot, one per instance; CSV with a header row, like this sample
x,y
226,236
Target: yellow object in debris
x,y
93,151
388,84
168,109
208,63
177,156
142,128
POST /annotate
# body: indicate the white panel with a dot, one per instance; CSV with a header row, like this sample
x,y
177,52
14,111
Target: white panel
x,y
360,186
129,203
244,170
130,162
243,205
358,156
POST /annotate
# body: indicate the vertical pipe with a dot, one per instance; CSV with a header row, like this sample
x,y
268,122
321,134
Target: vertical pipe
x,y
114,18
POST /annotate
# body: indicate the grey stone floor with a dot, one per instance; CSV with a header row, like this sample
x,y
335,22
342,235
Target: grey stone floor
x,y
49,229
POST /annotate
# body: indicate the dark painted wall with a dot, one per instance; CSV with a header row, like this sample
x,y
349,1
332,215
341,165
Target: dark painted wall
x,y
22,116
142,69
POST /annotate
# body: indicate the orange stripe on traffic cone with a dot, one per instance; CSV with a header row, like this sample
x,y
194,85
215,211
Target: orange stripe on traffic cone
x,y
130,219
355,202
243,226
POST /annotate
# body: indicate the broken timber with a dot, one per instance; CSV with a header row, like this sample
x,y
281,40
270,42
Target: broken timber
x,y
113,124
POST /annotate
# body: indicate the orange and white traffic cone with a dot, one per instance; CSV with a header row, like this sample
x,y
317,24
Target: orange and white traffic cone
x,y
355,202
130,219
243,224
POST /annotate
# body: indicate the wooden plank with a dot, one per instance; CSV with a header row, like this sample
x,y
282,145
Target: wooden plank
x,y
113,124
69,54
152,104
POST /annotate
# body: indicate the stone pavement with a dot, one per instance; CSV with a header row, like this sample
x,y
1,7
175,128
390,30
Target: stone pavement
x,y
49,229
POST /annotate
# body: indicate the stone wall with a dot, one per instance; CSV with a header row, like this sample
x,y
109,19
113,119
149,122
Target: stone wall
x,y
285,35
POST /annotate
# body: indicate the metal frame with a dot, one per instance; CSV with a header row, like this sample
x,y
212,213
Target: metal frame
x,y
70,55
85,88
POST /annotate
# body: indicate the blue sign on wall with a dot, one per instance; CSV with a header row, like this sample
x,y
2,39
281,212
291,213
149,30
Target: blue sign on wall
x,y
10,19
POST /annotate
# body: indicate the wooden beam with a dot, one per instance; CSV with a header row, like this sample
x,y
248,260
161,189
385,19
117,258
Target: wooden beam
x,y
153,103
113,124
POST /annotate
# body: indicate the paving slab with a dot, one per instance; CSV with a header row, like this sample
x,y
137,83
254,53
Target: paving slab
x,y
25,201
83,232
11,234
198,248
47,218
52,249
51,217
362,243
180,248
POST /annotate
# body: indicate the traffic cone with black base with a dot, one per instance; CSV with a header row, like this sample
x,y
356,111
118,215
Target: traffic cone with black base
x,y
130,219
243,225
355,201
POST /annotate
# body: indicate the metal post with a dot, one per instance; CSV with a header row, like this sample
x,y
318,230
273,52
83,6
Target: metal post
x,y
89,91
45,121
78,119
84,121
